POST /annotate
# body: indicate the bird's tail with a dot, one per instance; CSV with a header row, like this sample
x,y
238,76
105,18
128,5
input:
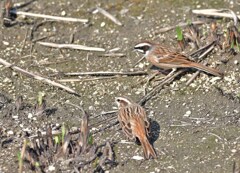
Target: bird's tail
x,y
207,69
148,150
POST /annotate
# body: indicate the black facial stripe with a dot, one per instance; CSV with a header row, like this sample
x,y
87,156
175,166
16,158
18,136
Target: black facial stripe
x,y
143,48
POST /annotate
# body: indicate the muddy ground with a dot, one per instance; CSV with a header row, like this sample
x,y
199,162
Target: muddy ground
x,y
196,128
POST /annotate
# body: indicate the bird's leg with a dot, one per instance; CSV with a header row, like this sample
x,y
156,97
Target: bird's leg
x,y
169,75
147,79
151,77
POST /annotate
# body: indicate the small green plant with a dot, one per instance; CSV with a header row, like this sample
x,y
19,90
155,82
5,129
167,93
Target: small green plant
x,y
19,158
40,98
90,139
57,139
20,162
237,45
37,164
60,137
179,33
95,162
232,44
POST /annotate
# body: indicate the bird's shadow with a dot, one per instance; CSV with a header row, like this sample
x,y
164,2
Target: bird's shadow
x,y
166,72
154,131
155,68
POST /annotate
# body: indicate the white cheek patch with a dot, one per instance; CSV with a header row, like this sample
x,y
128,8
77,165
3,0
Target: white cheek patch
x,y
139,50
147,52
141,47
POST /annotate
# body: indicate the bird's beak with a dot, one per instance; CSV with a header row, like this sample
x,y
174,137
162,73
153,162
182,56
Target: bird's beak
x,y
116,98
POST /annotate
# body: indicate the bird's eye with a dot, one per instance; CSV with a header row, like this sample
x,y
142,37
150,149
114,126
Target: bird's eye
x,y
118,100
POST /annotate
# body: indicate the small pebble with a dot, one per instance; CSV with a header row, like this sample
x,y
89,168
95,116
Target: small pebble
x,y
51,168
137,158
157,169
183,79
30,115
103,24
235,111
5,43
15,117
91,108
187,114
10,132
7,80
198,6
63,13
236,62
140,65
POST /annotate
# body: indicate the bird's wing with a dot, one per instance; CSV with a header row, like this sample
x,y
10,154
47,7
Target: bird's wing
x,y
163,52
132,116
139,111
174,59
124,120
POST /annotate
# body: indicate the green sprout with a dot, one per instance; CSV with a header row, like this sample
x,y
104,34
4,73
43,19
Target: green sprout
x,y
237,45
37,164
90,139
40,98
20,161
179,33
19,157
57,139
232,44
95,162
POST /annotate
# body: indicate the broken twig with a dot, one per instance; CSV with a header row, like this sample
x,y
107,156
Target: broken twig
x,y
180,25
106,73
159,87
217,13
56,18
104,114
108,15
37,77
71,46
113,55
88,79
